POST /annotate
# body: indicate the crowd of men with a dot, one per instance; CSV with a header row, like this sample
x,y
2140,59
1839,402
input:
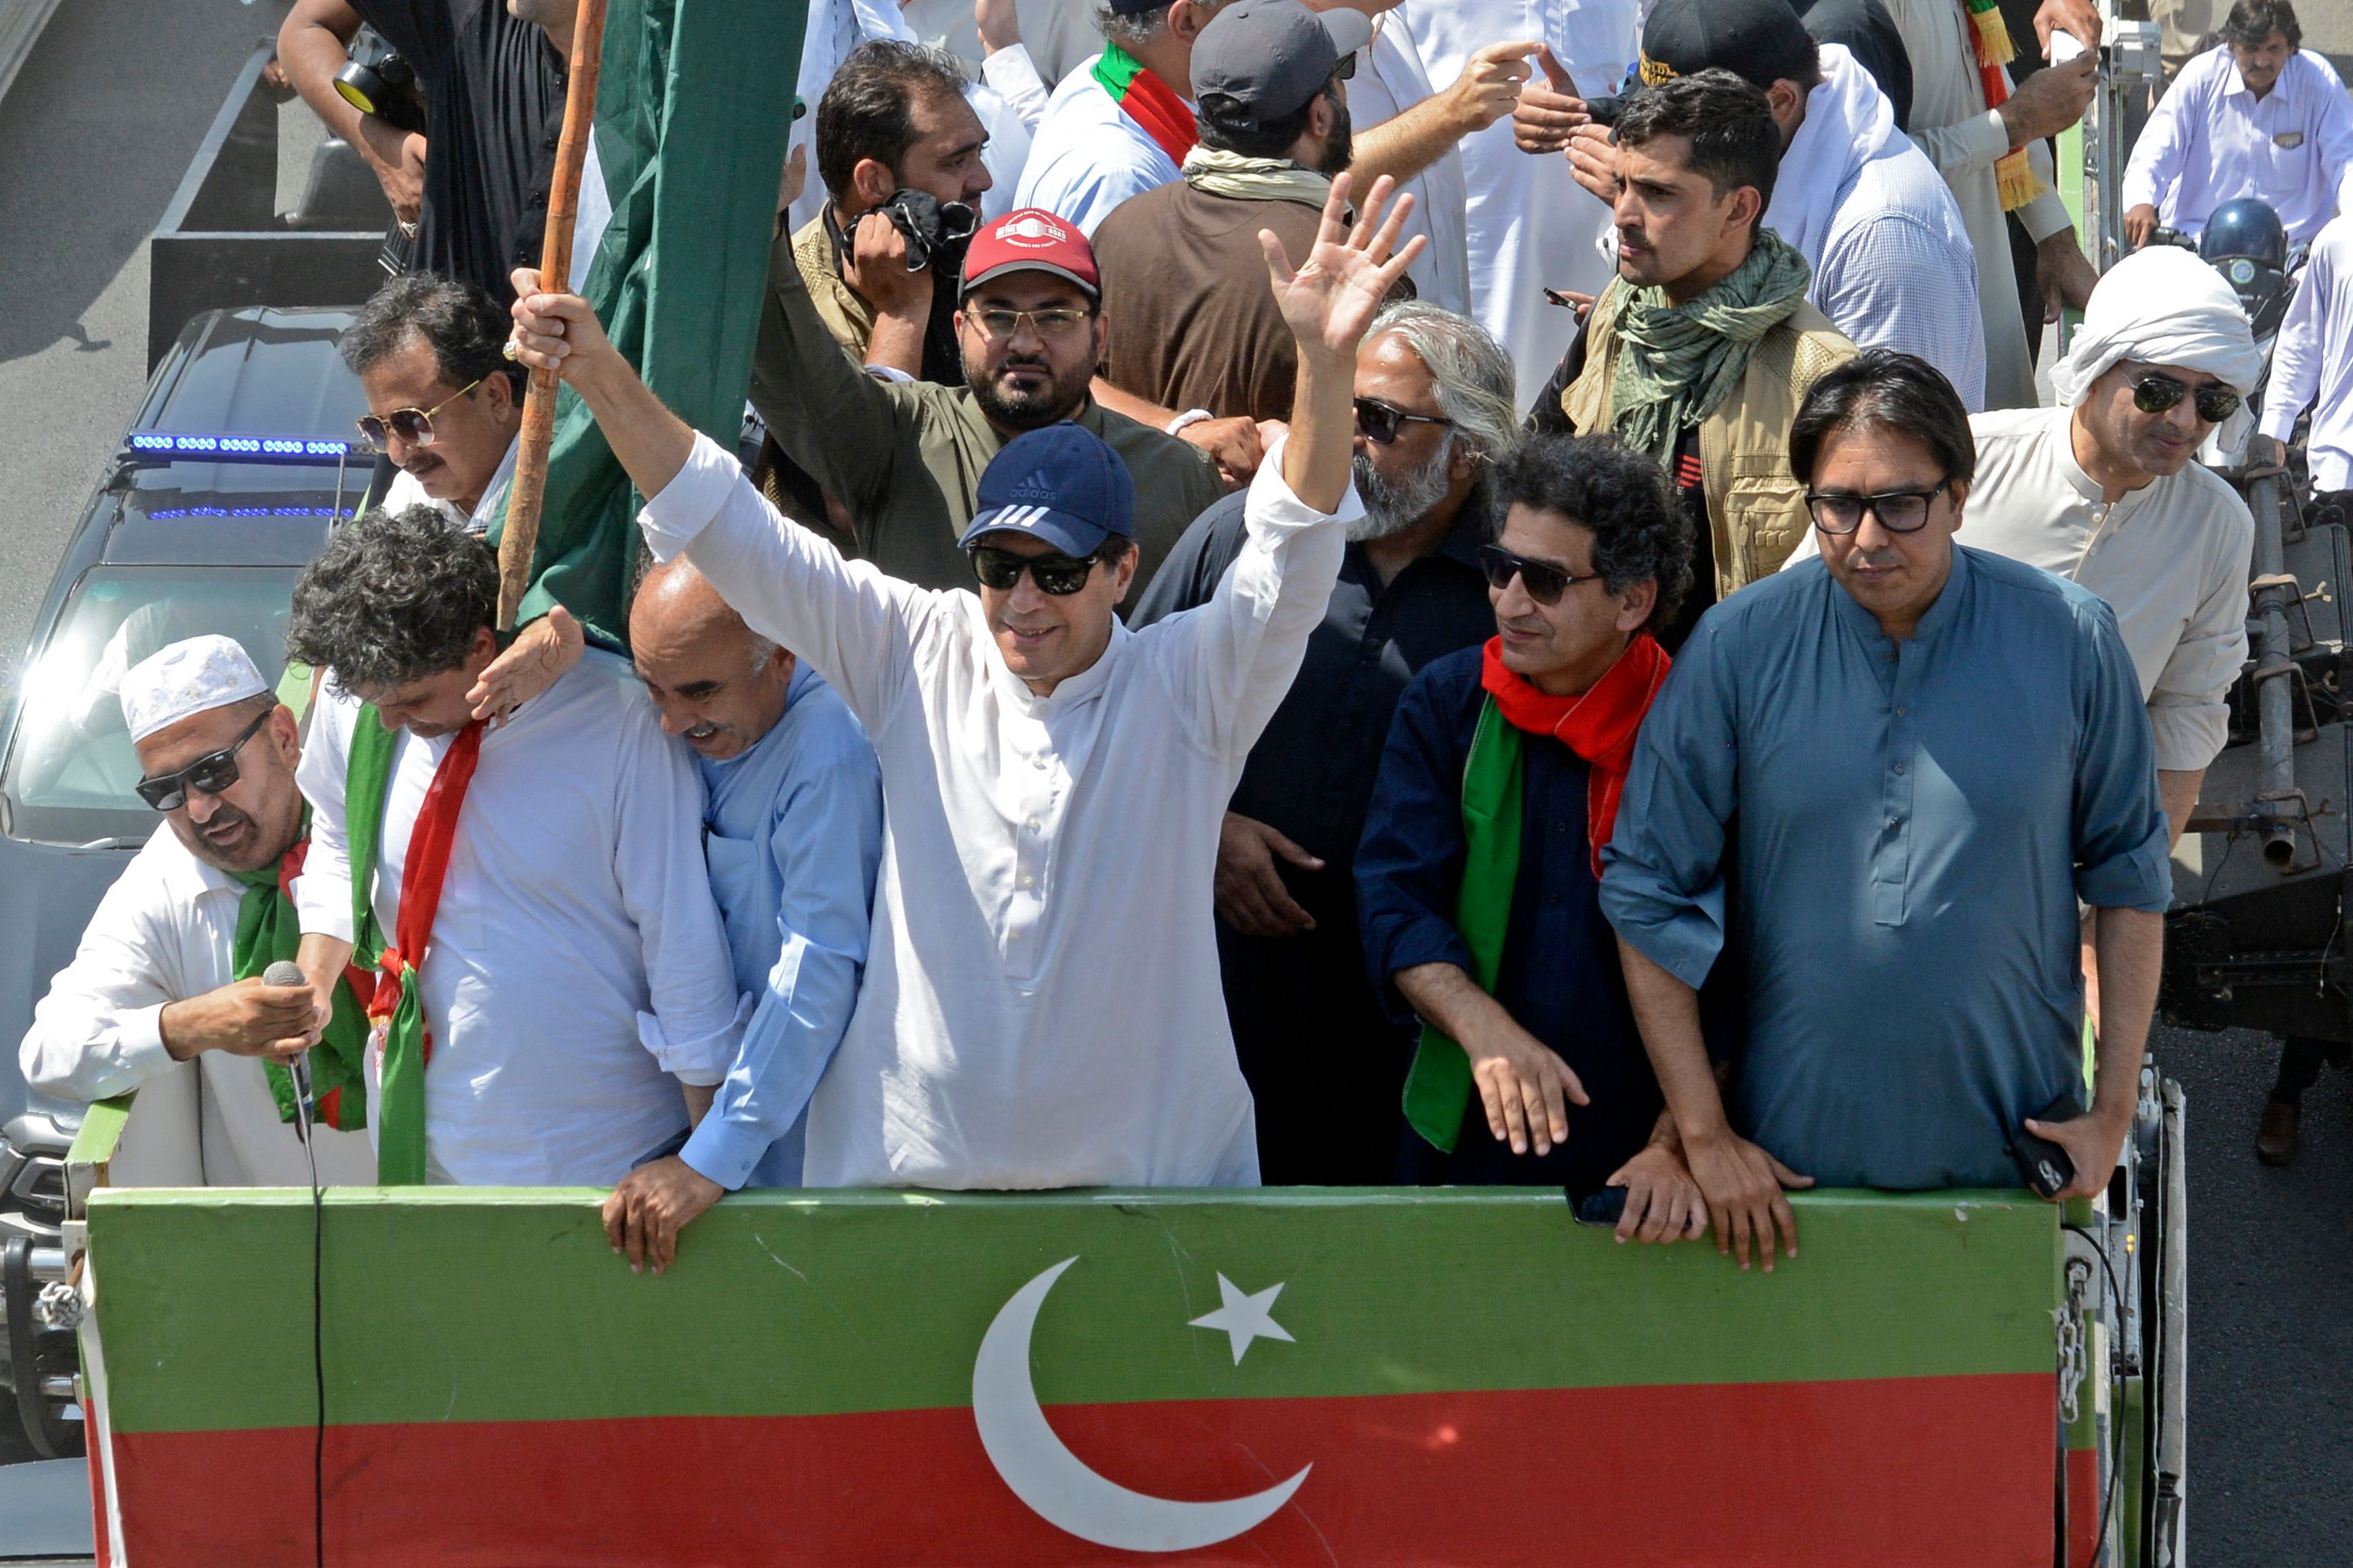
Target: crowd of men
x,y
1317,603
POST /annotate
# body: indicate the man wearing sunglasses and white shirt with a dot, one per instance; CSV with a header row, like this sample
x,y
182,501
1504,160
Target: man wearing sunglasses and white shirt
x,y
443,401
164,994
1041,1007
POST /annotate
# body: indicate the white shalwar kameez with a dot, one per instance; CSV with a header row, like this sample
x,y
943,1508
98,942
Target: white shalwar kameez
x,y
1040,1006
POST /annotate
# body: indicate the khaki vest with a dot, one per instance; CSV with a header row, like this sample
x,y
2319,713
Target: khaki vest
x,y
1756,507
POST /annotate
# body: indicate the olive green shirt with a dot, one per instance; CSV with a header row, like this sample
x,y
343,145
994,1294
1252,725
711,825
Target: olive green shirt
x,y
905,458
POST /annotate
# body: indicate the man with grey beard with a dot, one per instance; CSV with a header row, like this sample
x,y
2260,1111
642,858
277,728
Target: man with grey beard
x,y
1434,407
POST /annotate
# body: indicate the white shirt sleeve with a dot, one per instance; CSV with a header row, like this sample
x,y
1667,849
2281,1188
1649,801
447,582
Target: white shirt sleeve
x,y
98,1032
2046,214
2296,358
1230,661
2337,146
322,894
1966,144
694,1029
1014,76
857,626
2156,161
2188,709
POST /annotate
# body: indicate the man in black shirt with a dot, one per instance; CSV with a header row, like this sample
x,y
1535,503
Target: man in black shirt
x,y
493,74
1325,1063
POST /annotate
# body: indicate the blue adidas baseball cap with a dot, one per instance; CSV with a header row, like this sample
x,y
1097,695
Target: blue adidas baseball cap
x,y
1061,484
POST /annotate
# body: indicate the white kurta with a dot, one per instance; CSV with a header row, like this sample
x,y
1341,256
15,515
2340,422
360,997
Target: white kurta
x,y
1530,225
1963,138
1087,155
577,961
2313,366
1040,1006
165,934
1390,78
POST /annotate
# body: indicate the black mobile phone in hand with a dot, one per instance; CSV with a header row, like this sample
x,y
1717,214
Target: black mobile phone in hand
x,y
2045,1164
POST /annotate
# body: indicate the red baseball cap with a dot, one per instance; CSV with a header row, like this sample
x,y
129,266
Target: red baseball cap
x,y
1030,239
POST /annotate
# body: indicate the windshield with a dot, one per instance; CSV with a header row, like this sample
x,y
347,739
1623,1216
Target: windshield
x,y
69,773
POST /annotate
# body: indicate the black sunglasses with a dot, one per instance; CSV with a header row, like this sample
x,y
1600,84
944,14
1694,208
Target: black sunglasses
x,y
1544,581
1379,420
211,772
1058,575
2156,393
1898,512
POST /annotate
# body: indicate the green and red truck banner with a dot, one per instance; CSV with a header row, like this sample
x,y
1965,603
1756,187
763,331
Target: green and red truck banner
x,y
1286,1377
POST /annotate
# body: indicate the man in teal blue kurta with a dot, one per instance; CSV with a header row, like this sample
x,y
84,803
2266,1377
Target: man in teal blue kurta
x,y
1932,754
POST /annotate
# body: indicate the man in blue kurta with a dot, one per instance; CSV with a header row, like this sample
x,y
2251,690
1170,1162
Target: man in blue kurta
x,y
793,834
1931,754
1478,874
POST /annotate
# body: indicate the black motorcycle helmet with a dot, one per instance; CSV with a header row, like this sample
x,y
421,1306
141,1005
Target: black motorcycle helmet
x,y
2246,227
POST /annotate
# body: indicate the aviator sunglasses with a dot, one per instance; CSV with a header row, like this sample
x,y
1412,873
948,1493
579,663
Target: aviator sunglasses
x,y
211,772
1544,581
1058,575
414,426
2156,393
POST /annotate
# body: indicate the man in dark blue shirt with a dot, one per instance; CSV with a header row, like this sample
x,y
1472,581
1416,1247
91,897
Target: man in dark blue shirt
x,y
1477,878
1324,1062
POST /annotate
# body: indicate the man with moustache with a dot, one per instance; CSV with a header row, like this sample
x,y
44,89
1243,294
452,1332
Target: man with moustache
x,y
1481,868
1702,347
443,401
164,994
1324,1060
1042,1008
1184,275
905,459
793,836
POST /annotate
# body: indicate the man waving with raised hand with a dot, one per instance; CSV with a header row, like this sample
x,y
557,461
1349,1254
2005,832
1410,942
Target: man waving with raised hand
x,y
1041,1007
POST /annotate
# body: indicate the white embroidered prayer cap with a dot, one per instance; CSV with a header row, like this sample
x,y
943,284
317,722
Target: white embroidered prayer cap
x,y
188,677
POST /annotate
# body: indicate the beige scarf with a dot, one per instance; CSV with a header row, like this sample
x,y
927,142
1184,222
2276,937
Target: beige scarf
x,y
1255,179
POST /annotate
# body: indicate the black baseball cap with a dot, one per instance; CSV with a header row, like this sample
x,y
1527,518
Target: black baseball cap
x,y
1761,41
1268,58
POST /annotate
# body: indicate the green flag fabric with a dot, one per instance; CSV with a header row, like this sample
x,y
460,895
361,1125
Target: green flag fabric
x,y
1438,1088
694,110
269,930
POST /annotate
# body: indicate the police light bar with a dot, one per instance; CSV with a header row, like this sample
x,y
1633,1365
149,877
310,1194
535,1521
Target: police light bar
x,y
250,449
163,514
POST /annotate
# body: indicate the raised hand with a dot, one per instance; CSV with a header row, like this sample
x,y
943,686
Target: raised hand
x,y
1550,111
1331,300
553,331
540,655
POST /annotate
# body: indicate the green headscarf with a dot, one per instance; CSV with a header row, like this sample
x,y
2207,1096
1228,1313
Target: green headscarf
x,y
1680,362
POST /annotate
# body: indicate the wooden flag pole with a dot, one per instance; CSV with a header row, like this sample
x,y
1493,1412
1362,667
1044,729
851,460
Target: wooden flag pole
x,y
530,488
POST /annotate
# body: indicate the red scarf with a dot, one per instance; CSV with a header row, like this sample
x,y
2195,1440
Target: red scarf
x,y
1152,103
428,866
1599,725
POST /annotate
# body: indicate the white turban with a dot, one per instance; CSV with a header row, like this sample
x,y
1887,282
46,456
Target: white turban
x,y
186,679
2163,305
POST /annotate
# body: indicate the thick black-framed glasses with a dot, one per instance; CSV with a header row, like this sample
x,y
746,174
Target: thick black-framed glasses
x,y
1898,512
1058,575
2156,393
414,426
1544,581
211,772
1379,420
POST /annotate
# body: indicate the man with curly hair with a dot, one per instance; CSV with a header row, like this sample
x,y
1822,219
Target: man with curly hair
x,y
550,968
1479,876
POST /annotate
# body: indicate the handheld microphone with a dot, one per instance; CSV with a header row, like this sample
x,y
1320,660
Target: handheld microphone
x,y
284,972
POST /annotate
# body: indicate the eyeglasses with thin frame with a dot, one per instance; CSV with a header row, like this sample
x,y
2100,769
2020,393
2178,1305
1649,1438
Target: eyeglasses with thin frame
x,y
2156,393
414,426
1898,512
1058,575
211,772
1053,321
1544,581
1378,421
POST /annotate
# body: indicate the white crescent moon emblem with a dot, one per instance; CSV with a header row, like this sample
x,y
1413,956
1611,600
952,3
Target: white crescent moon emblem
x,y
1061,1489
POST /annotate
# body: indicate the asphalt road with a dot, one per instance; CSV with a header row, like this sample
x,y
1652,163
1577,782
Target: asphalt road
x,y
94,138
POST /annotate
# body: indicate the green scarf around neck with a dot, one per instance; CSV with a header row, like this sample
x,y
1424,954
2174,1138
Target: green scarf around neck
x,y
1680,362
269,930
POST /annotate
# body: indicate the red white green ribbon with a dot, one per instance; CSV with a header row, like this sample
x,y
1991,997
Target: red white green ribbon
x,y
1152,103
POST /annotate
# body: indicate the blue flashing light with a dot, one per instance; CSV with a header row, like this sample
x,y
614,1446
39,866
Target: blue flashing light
x,y
250,449
168,513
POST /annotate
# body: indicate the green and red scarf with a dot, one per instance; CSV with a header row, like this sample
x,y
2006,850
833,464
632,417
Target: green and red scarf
x,y
2014,176
1152,103
397,1009
269,930
1599,725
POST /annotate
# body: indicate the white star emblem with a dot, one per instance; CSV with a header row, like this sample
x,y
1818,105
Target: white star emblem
x,y
1244,1318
